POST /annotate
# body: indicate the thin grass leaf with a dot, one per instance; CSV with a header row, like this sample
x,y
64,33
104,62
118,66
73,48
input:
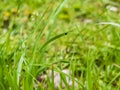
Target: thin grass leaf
x,y
88,71
63,78
19,68
2,86
54,17
12,83
110,23
52,39
53,86
114,79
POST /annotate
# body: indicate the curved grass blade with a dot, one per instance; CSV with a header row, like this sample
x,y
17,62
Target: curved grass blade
x,y
52,39
110,23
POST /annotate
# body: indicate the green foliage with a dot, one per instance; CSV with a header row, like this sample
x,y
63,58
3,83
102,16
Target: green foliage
x,y
81,36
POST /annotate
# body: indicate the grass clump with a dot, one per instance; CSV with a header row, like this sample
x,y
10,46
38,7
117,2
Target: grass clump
x,y
74,42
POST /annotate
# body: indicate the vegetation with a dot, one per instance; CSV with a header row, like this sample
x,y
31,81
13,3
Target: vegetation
x,y
81,36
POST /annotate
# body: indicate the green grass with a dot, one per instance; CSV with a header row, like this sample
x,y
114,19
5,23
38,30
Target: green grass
x,y
82,36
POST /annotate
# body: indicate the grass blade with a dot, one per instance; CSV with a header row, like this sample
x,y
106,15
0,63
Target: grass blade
x,y
52,39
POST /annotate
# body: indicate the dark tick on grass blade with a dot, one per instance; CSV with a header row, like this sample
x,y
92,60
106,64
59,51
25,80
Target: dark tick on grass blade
x,y
66,33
